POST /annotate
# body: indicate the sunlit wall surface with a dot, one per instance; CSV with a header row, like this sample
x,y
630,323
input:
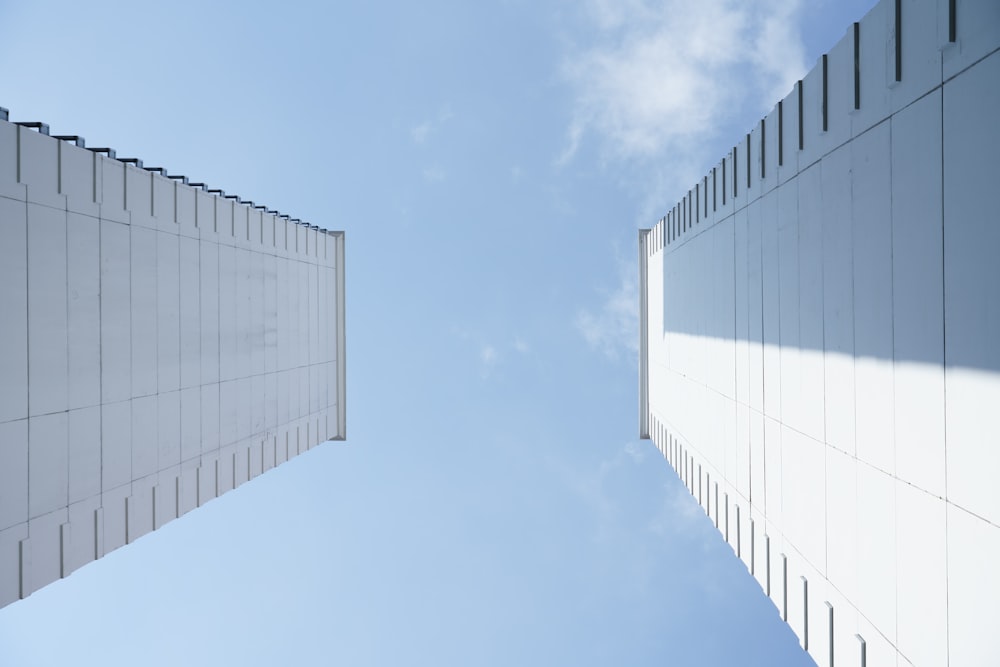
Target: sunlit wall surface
x,y
819,346
160,344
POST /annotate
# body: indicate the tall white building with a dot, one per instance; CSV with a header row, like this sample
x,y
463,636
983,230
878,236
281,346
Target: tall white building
x,y
820,342
160,344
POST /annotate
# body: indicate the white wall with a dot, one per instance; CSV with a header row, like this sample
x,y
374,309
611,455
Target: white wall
x,y
159,345
823,343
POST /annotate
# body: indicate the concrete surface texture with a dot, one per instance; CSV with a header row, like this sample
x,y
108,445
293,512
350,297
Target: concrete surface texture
x,y
818,353
160,344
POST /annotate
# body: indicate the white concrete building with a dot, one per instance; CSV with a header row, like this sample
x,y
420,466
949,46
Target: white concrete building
x,y
820,342
160,344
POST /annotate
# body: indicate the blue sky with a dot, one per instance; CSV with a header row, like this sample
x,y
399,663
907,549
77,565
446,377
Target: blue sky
x,y
490,163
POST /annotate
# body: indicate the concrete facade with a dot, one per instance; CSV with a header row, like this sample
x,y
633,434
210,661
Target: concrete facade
x,y
160,344
818,346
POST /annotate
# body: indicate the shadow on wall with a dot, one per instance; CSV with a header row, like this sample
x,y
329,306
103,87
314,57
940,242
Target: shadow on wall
x,y
858,216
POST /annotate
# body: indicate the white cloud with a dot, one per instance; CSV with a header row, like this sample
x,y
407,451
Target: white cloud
x,y
614,327
420,132
665,74
521,345
488,355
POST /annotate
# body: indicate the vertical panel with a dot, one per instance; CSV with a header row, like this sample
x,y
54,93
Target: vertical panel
x,y
190,426
303,376
921,53
139,196
838,301
270,404
228,364
744,460
10,561
313,295
256,458
787,266
76,179
116,336
742,288
13,473
167,313
48,463
803,512
281,314
45,556
918,294
810,381
84,453
210,415
227,412
165,507
84,310
755,315
256,403
757,461
144,312
47,349
38,164
283,396
79,538
842,521
207,478
973,589
140,507
227,468
190,312
872,229
14,306
840,87
875,69
116,444
244,408
111,189
243,306
770,304
270,313
922,575
257,309
144,437
876,598
163,203
210,311
112,518
772,470
186,212
972,273
187,488
169,429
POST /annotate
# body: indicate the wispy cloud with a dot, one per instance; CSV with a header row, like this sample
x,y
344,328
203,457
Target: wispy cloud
x,y
661,81
420,132
488,355
613,327
664,75
434,174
